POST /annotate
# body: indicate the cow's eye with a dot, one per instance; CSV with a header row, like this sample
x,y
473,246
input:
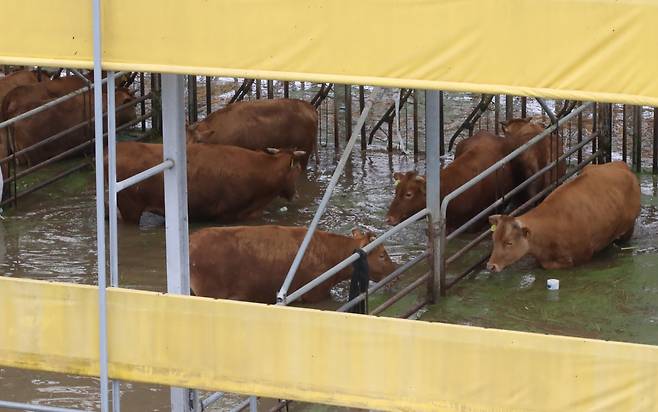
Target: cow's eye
x,y
408,195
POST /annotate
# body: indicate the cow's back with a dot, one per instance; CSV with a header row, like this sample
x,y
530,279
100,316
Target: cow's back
x,y
250,262
280,123
589,212
475,155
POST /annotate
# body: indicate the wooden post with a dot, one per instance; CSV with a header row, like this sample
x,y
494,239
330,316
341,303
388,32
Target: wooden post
x,y
142,105
655,141
637,139
192,114
415,130
208,95
336,110
580,135
624,134
362,103
509,107
348,111
496,114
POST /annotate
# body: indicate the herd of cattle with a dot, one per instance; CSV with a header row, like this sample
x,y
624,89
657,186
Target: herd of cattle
x,y
245,155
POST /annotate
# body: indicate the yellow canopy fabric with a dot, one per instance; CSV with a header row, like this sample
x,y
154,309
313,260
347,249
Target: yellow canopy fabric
x,y
602,50
319,356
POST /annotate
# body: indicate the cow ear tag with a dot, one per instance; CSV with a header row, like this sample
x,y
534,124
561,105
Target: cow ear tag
x,y
493,228
397,182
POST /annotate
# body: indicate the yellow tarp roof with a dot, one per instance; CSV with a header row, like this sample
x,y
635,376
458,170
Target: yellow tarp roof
x,y
577,49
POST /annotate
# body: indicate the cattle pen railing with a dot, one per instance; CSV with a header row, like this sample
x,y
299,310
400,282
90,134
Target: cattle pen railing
x,y
446,238
15,173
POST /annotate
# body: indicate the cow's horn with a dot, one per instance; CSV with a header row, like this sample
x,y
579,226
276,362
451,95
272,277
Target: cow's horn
x,y
299,153
272,150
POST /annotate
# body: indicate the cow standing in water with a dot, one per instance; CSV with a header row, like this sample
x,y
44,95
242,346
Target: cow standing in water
x,y
520,131
577,220
224,183
259,124
473,156
250,263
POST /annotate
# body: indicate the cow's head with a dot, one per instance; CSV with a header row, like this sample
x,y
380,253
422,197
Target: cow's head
x,y
510,241
197,133
291,159
514,127
379,263
123,96
409,197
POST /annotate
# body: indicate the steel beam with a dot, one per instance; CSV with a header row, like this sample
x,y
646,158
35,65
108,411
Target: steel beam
x,y
433,184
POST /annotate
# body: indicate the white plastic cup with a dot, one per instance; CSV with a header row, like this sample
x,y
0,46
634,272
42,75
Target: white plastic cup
x,y
553,284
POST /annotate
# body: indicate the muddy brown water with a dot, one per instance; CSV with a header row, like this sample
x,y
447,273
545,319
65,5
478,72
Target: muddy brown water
x,y
51,236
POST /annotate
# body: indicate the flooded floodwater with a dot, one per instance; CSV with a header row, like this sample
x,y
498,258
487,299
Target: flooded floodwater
x,y
51,236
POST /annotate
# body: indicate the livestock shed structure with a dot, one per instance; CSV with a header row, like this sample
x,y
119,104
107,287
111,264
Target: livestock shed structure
x,y
599,50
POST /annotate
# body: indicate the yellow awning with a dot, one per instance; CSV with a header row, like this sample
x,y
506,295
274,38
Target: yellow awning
x,y
319,356
603,50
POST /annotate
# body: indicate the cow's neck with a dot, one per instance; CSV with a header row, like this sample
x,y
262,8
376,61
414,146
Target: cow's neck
x,y
542,245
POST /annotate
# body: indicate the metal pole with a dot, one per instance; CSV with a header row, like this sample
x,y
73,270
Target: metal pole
x,y
100,209
362,103
547,109
524,107
282,294
442,130
286,89
112,177
142,105
415,124
336,110
253,404
34,408
175,185
258,86
432,126
624,134
348,111
496,114
580,135
270,89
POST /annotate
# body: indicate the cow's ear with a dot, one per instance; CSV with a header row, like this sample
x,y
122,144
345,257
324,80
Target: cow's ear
x,y
272,150
525,231
420,179
357,233
494,219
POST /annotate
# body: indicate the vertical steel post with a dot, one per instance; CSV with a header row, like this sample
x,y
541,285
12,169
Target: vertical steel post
x,y
595,125
389,145
258,86
100,208
112,178
253,404
192,112
433,185
286,89
270,89
605,134
524,107
175,182
362,103
348,111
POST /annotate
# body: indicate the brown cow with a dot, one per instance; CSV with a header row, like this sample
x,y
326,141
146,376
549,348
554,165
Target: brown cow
x,y
577,220
225,183
250,263
58,118
7,84
258,124
532,160
476,154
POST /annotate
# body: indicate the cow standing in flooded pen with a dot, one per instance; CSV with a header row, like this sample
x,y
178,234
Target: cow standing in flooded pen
x,y
250,263
577,220
258,124
225,183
